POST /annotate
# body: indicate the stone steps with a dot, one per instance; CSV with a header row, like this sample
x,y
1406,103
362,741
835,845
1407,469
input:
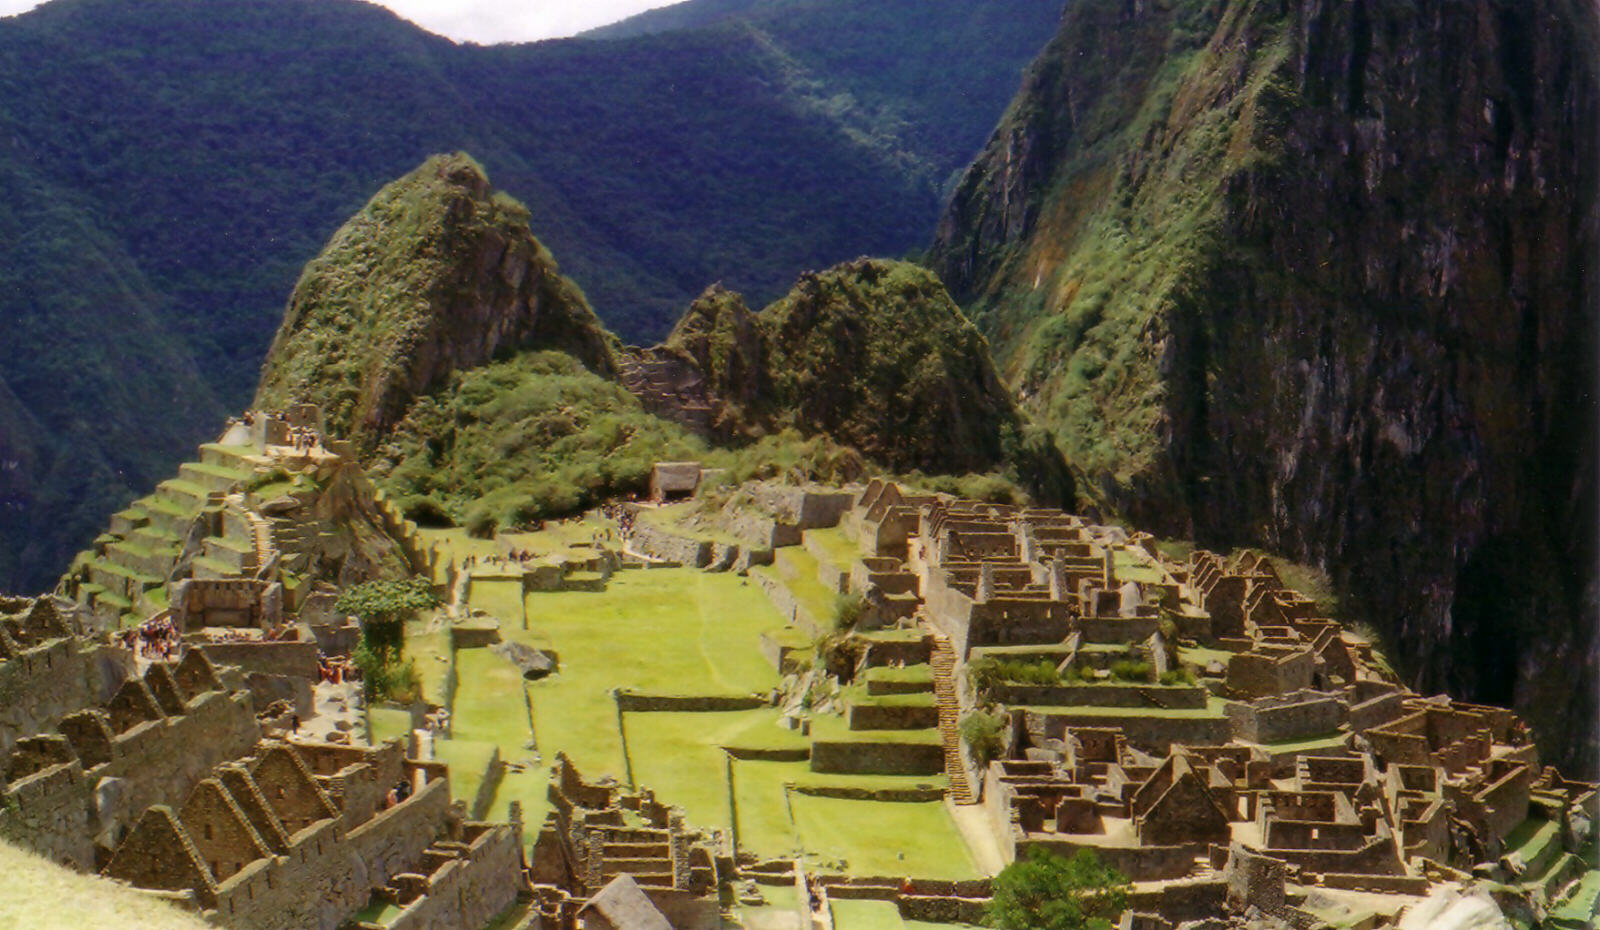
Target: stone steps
x,y
943,662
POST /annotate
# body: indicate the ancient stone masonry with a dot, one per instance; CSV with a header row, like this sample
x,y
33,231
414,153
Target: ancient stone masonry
x,y
271,504
598,832
302,835
1204,718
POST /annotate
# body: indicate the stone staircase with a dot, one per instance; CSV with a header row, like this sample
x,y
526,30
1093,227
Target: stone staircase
x,y
261,539
943,661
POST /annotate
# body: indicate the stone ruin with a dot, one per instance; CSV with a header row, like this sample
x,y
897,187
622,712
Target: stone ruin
x,y
1286,744
597,832
160,774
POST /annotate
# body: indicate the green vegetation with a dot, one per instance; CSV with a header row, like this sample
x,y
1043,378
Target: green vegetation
x,y
675,631
54,897
984,735
398,298
383,607
149,259
1045,891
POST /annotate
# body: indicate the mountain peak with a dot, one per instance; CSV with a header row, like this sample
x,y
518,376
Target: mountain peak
x,y
437,273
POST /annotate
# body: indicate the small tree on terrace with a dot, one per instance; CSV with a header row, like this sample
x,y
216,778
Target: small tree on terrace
x,y
1048,892
382,607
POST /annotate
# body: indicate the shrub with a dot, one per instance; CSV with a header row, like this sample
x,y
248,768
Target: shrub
x,y
847,611
1128,670
1048,892
984,735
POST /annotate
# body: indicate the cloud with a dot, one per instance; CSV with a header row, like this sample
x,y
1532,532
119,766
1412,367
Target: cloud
x,y
488,21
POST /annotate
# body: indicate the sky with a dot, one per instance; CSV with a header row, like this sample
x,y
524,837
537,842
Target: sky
x,y
488,21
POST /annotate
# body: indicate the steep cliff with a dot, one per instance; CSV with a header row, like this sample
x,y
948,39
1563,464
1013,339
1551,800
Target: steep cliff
x,y
871,353
1320,276
434,275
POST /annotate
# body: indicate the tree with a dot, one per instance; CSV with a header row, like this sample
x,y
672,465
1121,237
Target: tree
x,y
1045,891
382,607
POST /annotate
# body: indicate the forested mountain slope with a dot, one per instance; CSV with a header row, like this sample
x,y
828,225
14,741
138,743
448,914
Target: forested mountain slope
x,y
1321,277
169,167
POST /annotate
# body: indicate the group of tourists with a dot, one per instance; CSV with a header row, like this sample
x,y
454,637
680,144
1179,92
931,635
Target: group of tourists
x,y
155,639
334,670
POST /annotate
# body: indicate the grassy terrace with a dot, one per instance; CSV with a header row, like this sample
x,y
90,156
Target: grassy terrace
x,y
910,673
840,548
1530,838
1131,566
673,631
1582,903
831,729
857,694
797,570
874,915
678,518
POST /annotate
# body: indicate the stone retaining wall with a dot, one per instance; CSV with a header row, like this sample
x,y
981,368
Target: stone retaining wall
x,y
862,758
1105,695
687,703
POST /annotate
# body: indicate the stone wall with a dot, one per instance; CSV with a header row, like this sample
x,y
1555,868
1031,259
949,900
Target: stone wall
x,y
294,659
1152,733
472,890
861,758
686,703
788,606
658,543
1102,695
39,686
1297,716
893,716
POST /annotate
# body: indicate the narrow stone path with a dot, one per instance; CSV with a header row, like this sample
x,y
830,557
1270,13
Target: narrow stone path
x,y
944,691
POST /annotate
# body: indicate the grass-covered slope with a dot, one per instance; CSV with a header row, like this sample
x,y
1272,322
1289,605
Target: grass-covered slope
x,y
1267,272
436,274
513,441
41,895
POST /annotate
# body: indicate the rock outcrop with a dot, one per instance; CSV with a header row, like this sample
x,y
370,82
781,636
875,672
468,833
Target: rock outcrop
x,y
1320,277
872,353
436,274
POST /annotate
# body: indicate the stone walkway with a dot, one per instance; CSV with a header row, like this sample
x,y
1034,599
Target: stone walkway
x,y
973,822
336,709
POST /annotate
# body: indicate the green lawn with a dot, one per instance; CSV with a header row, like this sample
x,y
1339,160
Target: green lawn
x,y
841,550
865,915
388,723
468,761
875,915
500,598
797,570
1580,905
882,838
673,631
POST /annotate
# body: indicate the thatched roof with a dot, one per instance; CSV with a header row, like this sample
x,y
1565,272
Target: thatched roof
x,y
625,906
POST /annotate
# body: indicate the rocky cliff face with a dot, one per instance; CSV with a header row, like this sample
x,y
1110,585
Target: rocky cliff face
x,y
436,274
873,354
1320,276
